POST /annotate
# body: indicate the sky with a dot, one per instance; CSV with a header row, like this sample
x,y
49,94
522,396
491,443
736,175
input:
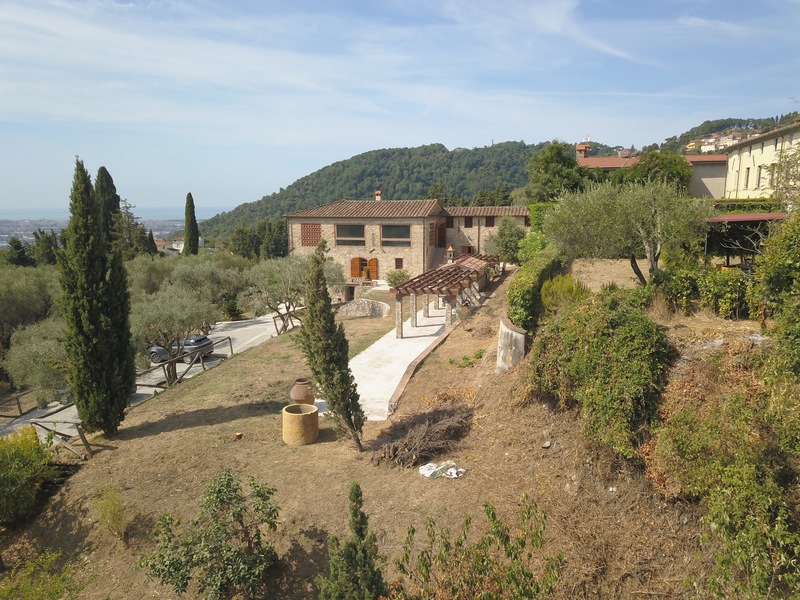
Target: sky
x,y
234,100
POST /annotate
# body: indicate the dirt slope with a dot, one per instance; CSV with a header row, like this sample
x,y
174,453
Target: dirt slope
x,y
618,536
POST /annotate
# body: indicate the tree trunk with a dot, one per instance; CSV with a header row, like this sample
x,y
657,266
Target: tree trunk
x,y
637,270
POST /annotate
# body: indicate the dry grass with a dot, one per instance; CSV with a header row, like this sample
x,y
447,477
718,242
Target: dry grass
x,y
623,543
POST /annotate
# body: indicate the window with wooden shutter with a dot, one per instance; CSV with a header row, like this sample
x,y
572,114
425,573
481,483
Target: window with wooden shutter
x,y
432,234
355,267
372,265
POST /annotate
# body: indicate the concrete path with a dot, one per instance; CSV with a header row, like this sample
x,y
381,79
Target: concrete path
x,y
379,369
243,334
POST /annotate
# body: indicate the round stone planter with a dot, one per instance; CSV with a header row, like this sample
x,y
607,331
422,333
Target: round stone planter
x,y
300,424
302,391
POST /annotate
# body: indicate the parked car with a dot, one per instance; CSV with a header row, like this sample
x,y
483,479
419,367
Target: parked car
x,y
191,346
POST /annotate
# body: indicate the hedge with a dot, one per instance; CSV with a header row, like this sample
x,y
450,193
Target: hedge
x,y
525,290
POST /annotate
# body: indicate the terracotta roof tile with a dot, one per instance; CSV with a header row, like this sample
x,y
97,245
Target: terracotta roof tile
x,y
372,209
486,211
699,158
607,162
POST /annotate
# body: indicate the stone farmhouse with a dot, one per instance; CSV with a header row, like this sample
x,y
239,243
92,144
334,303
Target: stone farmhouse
x,y
750,172
371,237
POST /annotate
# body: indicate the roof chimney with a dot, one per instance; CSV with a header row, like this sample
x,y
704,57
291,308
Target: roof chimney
x,y
377,195
582,150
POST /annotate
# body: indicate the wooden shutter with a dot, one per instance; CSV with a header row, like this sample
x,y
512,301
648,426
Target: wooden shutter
x,y
355,267
432,234
372,265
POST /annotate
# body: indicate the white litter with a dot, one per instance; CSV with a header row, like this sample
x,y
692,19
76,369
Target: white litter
x,y
446,469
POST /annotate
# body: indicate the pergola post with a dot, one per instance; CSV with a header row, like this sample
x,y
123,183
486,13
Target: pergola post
x,y
448,310
398,318
413,299
426,308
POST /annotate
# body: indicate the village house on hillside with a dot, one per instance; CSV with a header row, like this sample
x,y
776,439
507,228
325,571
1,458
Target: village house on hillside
x,y
750,172
372,237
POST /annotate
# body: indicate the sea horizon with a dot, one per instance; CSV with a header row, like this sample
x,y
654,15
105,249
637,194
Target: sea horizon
x,y
147,214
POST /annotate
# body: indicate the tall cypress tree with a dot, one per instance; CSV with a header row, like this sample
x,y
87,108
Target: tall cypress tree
x,y
325,347
82,267
191,234
96,307
120,366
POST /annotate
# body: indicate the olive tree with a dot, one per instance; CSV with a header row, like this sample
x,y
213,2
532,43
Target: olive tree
x,y
613,221
166,318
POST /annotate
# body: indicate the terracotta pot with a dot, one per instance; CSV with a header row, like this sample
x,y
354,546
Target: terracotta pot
x,y
302,391
300,424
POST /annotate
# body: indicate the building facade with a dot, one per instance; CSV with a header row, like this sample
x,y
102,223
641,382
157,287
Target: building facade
x,y
369,238
750,171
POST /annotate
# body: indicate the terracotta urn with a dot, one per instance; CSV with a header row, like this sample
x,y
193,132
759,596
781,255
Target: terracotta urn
x,y
302,391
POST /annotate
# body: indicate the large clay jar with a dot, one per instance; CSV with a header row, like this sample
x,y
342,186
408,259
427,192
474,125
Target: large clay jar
x,y
300,424
302,391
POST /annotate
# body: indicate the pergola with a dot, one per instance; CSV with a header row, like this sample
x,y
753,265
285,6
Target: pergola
x,y
448,281
739,231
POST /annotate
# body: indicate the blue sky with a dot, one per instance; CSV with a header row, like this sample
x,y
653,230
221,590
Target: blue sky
x,y
234,100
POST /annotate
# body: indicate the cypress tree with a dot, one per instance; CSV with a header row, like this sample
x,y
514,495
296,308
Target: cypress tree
x,y
96,305
191,234
355,574
82,268
120,366
151,243
325,347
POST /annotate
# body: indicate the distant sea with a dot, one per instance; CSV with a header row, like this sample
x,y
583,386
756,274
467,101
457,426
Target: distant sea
x,y
144,214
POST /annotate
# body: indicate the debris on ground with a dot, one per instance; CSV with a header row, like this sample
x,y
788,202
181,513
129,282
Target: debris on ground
x,y
427,436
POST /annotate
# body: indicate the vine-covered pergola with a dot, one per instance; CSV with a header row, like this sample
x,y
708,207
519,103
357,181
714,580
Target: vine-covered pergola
x,y
461,278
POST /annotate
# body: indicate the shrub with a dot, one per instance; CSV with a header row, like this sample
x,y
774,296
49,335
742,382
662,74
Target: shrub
x,y
231,310
524,291
354,570
40,579
724,292
787,333
496,564
732,457
395,278
678,287
24,469
560,291
223,548
608,357
113,512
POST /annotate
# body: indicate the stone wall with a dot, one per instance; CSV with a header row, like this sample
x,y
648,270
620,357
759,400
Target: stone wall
x,y
364,308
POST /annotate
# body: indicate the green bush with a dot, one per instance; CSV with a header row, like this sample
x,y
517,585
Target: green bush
x,y
496,564
395,278
787,333
734,458
231,310
223,548
355,573
560,291
678,287
40,579
112,512
538,211
524,290
24,469
608,357
725,292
